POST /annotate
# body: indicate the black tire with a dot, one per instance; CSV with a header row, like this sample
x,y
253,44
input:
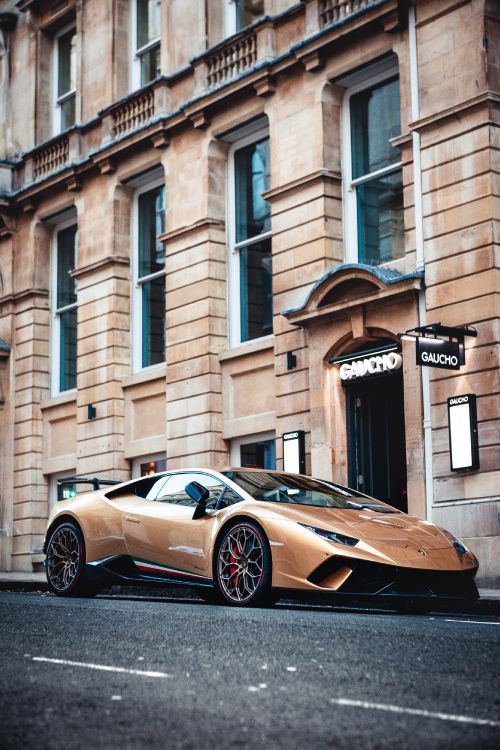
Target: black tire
x,y
243,566
65,562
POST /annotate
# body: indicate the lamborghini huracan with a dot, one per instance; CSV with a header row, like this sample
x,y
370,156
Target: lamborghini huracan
x,y
248,536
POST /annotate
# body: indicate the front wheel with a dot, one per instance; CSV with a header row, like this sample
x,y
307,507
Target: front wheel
x,y
65,563
243,566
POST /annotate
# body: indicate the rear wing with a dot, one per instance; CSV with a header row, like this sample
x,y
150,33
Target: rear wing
x,y
96,482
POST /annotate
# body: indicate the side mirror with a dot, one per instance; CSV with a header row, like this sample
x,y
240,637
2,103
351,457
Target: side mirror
x,y
200,495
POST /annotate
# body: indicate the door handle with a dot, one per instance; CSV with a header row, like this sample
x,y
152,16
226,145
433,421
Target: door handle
x,y
132,519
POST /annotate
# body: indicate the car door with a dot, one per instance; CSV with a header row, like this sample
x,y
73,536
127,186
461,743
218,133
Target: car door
x,y
162,536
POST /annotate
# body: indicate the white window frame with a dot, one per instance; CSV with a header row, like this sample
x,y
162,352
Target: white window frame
x,y
137,52
137,282
58,100
236,443
55,312
230,16
53,479
350,203
136,462
234,257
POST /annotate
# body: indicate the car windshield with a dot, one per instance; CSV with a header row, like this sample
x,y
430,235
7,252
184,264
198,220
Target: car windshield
x,y
272,487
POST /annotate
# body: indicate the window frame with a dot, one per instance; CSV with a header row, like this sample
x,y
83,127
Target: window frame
x,y
138,460
231,18
53,488
57,100
55,312
236,443
234,277
350,199
138,52
138,281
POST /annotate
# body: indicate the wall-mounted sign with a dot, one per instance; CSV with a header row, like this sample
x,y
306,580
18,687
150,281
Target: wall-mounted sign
x,y
379,363
438,353
294,452
462,428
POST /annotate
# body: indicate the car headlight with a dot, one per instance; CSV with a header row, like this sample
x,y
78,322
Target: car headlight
x,y
331,536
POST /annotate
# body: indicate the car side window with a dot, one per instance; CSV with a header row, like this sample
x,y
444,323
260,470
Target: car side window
x,y
156,488
174,492
228,497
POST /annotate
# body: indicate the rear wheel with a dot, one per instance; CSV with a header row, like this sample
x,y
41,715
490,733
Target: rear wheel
x,y
243,566
65,563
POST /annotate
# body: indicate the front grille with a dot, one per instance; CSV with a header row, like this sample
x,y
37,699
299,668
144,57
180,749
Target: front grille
x,y
379,579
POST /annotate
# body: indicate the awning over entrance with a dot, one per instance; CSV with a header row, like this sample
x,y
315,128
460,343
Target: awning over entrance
x,y
351,284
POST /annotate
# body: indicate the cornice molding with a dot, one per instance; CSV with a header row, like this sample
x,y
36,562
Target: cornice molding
x,y
321,176
486,99
109,260
195,228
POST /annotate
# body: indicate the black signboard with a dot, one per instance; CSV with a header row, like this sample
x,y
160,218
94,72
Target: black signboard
x,y
439,353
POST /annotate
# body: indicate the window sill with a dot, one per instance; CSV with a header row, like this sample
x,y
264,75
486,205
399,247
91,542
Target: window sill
x,y
144,376
249,347
66,397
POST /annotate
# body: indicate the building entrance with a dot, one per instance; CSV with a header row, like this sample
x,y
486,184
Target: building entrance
x,y
376,438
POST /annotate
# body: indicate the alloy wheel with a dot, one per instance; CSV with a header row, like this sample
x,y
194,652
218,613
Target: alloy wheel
x,y
64,554
241,564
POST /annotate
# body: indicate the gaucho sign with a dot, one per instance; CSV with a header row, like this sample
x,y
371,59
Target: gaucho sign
x,y
438,353
361,368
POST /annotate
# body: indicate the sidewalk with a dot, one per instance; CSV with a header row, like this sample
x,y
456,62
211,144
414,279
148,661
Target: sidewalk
x,y
488,603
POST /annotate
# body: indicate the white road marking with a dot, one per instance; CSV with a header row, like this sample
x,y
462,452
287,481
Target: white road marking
x,y
475,622
415,712
102,667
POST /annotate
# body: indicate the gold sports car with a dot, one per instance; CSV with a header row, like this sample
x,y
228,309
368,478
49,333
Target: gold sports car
x,y
249,536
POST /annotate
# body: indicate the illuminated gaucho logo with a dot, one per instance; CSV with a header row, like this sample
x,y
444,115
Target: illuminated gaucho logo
x,y
377,364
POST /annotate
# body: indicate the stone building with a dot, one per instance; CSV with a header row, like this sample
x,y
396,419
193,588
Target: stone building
x,y
215,218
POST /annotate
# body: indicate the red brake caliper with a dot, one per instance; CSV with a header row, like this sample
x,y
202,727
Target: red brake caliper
x,y
233,568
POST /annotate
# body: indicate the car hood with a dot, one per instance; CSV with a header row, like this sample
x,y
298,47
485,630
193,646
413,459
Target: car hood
x,y
369,526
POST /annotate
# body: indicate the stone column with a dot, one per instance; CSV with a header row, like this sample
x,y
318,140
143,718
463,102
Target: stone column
x,y
307,228
195,301
103,285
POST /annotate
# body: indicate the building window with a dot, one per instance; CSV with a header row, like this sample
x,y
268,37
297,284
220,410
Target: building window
x,y
145,466
65,80
374,179
64,310
58,492
250,237
149,279
241,13
146,35
254,451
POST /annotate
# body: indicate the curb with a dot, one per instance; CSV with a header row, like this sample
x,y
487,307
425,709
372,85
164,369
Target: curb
x,y
483,607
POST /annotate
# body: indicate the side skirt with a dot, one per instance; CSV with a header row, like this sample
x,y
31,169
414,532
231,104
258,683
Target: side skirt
x,y
125,569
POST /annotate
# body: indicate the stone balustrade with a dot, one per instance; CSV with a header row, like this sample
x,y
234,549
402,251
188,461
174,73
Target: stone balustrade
x,y
332,11
51,158
134,112
232,59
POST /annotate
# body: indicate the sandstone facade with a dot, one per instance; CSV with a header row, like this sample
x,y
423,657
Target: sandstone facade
x,y
295,76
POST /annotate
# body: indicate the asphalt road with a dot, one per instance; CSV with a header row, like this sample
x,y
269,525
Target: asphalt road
x,y
135,673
